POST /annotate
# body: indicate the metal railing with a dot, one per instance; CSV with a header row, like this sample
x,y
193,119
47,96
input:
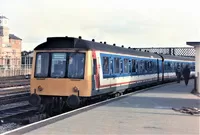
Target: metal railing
x,y
11,66
7,70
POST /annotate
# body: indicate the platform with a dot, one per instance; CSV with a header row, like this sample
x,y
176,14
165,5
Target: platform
x,y
143,113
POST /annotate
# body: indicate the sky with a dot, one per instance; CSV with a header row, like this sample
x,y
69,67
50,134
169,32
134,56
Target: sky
x,y
134,23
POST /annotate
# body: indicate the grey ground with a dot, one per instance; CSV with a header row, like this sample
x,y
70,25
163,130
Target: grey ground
x,y
144,113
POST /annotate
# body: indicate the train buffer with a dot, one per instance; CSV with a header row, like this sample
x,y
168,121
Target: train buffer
x,y
147,112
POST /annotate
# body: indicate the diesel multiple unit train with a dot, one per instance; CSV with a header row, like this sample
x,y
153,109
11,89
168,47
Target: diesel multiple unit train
x,y
68,71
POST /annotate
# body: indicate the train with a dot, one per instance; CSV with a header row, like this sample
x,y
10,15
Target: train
x,y
69,71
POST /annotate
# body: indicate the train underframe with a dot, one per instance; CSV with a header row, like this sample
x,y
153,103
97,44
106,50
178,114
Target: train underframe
x,y
58,104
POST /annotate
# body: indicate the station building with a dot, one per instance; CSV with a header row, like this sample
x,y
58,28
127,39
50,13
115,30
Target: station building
x,y
10,46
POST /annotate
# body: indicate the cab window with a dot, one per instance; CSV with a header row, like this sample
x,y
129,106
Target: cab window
x,y
58,65
76,65
42,65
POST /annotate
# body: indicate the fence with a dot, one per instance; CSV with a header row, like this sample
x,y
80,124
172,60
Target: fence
x,y
21,70
9,67
178,51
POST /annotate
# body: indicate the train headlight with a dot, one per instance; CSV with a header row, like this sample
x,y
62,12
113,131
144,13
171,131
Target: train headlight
x,y
40,88
75,89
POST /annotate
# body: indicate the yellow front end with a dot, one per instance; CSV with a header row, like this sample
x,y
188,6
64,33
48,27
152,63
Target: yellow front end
x,y
63,86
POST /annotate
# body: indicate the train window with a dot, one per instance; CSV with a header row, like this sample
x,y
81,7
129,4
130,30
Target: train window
x,y
169,66
136,66
58,65
105,65
150,65
175,66
145,66
94,66
111,66
133,65
181,65
166,66
193,66
154,66
121,66
116,65
172,66
76,65
125,65
141,67
129,65
42,65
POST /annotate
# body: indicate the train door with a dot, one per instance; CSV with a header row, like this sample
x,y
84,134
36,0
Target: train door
x,y
112,79
95,72
94,67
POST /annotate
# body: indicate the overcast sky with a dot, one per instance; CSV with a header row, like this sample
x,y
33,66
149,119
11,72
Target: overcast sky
x,y
136,23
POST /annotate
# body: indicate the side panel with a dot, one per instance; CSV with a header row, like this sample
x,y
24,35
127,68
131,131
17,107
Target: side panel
x,y
111,81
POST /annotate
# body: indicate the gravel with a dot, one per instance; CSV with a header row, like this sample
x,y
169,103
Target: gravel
x,y
8,127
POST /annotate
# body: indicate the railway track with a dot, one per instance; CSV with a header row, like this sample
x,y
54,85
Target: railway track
x,y
14,94
13,90
14,77
16,113
14,83
12,98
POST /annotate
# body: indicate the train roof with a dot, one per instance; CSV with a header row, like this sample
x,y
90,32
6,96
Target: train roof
x,y
55,43
172,57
